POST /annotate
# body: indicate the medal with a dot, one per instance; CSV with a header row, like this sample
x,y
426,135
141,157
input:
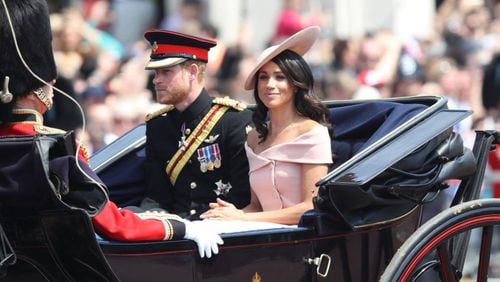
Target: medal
x,y
182,142
208,154
210,165
216,155
222,188
203,167
202,158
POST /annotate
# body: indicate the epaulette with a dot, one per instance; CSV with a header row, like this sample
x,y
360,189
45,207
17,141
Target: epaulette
x,y
42,129
226,101
159,112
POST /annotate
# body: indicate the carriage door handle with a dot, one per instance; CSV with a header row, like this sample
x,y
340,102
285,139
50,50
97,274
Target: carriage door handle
x,y
318,262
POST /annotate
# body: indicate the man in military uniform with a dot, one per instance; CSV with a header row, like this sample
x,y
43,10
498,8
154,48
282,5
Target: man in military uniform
x,y
195,145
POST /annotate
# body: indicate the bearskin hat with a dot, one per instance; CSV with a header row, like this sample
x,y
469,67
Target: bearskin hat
x,y
31,24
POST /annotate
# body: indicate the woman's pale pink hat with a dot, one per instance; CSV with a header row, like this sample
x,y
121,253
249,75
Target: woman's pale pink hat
x,y
300,43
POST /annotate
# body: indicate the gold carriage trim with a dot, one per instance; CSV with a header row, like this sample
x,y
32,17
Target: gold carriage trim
x,y
184,153
159,112
226,101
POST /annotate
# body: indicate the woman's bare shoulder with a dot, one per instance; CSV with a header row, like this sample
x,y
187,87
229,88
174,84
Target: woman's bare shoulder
x,y
308,125
252,138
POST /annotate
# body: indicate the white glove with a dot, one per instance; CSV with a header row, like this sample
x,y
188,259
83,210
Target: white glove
x,y
206,239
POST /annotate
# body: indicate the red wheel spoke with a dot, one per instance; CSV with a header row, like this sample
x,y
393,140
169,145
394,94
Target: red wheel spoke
x,y
446,268
484,254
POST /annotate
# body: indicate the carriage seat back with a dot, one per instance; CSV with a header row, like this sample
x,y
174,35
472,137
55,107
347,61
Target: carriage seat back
x,y
357,126
396,172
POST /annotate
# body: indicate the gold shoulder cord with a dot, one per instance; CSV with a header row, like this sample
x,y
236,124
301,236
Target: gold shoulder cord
x,y
159,112
226,101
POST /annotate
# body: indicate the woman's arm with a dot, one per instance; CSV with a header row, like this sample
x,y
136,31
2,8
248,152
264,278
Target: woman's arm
x,y
310,174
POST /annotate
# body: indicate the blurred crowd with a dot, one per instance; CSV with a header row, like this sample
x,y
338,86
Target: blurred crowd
x,y
100,54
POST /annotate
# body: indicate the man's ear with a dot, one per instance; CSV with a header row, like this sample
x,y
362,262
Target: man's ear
x,y
193,71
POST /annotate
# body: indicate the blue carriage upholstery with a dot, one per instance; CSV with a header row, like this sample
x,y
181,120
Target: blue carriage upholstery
x,y
392,177
125,179
357,126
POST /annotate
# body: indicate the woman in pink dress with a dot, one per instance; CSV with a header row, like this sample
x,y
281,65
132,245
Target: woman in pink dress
x,y
289,149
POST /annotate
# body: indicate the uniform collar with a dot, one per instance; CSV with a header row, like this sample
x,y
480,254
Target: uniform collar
x,y
198,107
26,115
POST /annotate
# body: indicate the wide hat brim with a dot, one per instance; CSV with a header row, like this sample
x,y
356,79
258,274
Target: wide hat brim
x,y
299,43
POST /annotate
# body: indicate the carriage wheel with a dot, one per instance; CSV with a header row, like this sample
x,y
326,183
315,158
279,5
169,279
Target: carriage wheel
x,y
438,248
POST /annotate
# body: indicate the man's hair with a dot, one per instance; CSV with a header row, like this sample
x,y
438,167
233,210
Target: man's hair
x,y
202,66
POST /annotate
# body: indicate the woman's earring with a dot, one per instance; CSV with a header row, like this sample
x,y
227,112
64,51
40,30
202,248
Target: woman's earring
x,y
43,97
5,95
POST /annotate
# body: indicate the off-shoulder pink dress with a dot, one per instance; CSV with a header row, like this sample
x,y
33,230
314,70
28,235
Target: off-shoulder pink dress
x,y
275,172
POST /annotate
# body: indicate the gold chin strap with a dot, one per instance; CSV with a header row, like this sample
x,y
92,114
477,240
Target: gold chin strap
x,y
40,93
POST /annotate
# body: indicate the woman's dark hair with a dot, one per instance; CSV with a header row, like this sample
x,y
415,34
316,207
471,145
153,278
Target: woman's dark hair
x,y
299,75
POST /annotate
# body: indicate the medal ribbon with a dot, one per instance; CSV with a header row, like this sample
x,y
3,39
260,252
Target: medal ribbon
x,y
207,152
216,152
181,157
201,155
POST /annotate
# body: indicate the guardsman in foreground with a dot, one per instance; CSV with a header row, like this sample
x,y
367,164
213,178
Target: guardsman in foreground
x,y
195,145
23,100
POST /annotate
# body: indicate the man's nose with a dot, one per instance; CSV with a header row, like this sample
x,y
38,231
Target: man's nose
x,y
155,79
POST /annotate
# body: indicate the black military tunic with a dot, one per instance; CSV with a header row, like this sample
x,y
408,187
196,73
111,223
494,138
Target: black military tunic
x,y
217,168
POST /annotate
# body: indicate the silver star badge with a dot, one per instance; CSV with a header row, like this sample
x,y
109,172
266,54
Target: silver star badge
x,y
222,188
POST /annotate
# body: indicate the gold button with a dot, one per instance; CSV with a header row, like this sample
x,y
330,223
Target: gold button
x,y
193,185
191,212
187,131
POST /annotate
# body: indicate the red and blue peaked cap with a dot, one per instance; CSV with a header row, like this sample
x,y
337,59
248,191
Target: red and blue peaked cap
x,y
170,48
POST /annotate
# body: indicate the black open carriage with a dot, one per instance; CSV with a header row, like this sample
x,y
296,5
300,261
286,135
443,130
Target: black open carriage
x,y
390,167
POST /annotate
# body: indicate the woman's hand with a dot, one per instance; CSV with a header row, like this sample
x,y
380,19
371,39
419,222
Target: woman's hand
x,y
223,210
